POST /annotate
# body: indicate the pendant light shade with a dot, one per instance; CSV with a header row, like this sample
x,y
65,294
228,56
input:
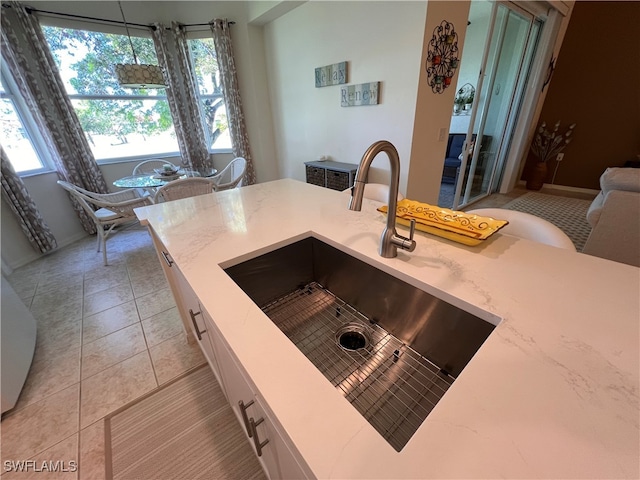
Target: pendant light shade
x,y
136,75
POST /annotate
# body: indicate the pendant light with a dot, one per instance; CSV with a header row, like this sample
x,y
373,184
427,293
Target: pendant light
x,y
136,75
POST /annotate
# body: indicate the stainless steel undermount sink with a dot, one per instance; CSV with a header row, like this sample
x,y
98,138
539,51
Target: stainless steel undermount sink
x,y
392,349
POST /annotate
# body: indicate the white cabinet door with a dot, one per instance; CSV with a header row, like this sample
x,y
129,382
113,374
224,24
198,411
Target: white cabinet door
x,y
196,319
169,269
287,464
207,344
247,409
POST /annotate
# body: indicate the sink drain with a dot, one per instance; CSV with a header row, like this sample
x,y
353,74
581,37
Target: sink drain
x,y
352,337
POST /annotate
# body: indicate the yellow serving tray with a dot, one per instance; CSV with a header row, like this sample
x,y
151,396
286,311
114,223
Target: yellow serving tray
x,y
460,227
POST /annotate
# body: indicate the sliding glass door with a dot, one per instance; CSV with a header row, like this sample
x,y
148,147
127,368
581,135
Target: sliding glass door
x,y
512,40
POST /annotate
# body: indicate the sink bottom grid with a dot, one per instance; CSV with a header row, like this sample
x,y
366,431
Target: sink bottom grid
x,y
391,385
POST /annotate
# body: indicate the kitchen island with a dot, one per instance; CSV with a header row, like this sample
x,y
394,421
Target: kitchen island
x,y
552,393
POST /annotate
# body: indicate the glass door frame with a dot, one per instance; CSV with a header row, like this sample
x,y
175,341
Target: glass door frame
x,y
516,100
531,89
552,15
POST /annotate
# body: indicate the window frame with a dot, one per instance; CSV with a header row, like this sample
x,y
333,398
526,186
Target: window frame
x,y
29,125
142,33
199,36
129,158
100,28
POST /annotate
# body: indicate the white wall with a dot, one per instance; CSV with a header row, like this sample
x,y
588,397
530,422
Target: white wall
x,y
248,47
56,210
433,110
381,41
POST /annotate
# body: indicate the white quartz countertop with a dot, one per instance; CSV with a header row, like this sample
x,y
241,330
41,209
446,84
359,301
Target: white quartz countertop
x,y
552,393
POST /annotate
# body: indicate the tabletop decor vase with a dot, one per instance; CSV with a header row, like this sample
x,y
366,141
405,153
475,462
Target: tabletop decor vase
x,y
546,146
537,176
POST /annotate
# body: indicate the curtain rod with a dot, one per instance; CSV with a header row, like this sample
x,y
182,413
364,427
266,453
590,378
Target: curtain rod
x,y
31,10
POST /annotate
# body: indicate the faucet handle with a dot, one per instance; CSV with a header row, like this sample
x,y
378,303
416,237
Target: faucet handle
x,y
405,243
410,244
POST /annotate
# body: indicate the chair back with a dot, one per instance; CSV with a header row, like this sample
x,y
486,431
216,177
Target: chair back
x,y
149,166
527,226
376,191
120,204
81,196
183,188
107,210
231,176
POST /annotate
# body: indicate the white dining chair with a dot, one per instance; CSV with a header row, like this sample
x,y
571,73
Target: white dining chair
x,y
183,188
149,166
230,176
376,191
107,210
527,226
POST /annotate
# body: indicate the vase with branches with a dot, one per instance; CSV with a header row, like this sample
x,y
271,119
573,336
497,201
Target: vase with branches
x,y
546,146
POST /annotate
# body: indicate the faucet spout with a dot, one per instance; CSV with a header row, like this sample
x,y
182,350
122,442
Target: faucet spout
x,y
390,240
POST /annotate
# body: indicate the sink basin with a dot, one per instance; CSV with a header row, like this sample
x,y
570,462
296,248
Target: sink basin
x,y
392,349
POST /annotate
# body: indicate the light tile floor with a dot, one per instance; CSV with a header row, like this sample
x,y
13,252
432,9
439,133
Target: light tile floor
x,y
106,336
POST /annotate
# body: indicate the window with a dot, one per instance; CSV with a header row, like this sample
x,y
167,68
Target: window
x,y
119,123
213,110
20,139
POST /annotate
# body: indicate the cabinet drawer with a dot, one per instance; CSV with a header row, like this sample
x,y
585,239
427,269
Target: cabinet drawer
x,y
337,180
315,175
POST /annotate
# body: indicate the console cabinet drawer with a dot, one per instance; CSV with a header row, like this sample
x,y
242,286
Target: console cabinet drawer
x,y
338,180
315,175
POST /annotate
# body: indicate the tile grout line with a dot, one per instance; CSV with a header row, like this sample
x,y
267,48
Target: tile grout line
x,y
144,335
79,449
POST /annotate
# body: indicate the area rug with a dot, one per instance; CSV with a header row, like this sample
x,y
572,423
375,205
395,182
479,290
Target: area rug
x,y
445,198
568,214
185,429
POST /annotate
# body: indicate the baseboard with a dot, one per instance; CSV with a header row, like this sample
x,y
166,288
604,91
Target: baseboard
x,y
6,269
73,239
21,262
566,188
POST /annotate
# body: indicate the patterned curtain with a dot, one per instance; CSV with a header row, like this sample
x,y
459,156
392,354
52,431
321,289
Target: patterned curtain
x,y
25,210
27,55
182,96
229,78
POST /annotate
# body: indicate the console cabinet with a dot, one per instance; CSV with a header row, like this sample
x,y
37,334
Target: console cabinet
x,y
330,174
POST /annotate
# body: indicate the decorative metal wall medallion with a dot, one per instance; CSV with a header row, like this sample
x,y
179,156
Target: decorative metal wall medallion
x,y
442,57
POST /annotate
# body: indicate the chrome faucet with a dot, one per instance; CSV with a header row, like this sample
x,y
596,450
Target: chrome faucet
x,y
390,240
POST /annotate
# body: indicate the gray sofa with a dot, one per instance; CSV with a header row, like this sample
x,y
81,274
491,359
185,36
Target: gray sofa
x,y
614,216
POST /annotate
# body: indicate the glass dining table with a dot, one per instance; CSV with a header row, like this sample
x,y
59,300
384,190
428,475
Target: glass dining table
x,y
154,180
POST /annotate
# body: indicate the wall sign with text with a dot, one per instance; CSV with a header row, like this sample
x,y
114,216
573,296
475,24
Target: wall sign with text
x,y
328,75
362,94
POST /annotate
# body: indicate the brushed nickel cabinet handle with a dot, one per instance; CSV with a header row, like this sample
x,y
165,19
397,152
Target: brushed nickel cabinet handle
x,y
243,411
195,324
165,255
256,440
